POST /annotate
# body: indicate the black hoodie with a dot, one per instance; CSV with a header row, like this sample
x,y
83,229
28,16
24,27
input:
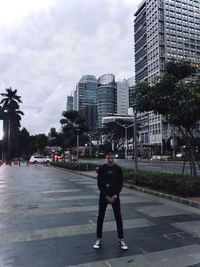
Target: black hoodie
x,y
110,180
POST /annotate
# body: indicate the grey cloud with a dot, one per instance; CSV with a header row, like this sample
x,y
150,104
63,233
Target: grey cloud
x,y
45,56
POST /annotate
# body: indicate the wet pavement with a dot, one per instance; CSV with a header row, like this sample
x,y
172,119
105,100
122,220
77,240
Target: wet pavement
x,y
48,218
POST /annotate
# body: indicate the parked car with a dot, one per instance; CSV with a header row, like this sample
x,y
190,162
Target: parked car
x,y
39,159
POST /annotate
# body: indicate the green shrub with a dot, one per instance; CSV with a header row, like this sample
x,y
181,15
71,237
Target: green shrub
x,y
173,183
75,166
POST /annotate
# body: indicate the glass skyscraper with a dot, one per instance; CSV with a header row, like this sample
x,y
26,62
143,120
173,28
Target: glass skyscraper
x,y
106,96
85,102
70,100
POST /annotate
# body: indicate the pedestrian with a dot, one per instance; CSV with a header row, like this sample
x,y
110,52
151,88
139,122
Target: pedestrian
x,y
110,183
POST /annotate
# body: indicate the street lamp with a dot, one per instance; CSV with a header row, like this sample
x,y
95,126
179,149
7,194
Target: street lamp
x,y
135,141
173,142
126,138
77,142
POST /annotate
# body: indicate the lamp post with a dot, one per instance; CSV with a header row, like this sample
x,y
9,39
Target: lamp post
x,y
135,141
90,145
126,136
126,139
77,142
173,142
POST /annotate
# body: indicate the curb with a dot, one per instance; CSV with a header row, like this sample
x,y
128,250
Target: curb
x,y
166,196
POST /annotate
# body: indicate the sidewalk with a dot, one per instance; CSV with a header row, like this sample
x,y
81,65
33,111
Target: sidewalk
x,y
48,218
191,201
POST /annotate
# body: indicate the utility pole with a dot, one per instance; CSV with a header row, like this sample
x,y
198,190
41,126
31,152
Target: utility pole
x,y
135,142
77,142
90,145
126,136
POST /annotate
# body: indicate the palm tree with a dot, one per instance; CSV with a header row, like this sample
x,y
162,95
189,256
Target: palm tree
x,y
12,116
71,122
10,97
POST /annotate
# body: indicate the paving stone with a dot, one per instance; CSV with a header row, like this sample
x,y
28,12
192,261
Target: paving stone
x,y
48,218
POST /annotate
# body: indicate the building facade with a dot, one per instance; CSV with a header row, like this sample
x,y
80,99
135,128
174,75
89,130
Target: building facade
x,y
70,101
122,97
106,96
85,100
164,29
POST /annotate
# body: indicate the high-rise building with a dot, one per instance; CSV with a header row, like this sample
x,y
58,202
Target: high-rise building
x,y
122,97
131,88
70,101
106,96
164,29
85,97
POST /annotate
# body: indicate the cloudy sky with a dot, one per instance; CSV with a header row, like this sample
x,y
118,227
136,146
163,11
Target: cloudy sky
x,y
47,45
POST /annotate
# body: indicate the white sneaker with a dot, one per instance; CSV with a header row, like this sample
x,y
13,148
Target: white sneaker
x,y
123,244
97,244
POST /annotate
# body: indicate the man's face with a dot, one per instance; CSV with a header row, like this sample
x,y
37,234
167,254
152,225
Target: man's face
x,y
110,157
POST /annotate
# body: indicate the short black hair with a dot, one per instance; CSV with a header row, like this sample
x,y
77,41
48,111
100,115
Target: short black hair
x,y
109,151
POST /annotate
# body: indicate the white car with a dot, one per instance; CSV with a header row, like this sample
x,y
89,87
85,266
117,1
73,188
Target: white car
x,y
39,159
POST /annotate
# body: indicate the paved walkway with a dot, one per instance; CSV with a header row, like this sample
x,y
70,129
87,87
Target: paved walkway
x,y
191,201
48,219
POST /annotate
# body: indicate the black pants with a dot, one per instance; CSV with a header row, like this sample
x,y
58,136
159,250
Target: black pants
x,y
117,212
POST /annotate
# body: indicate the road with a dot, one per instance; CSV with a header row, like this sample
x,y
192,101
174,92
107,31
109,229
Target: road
x,y
158,166
48,219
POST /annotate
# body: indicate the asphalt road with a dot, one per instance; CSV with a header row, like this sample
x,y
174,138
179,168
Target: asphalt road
x,y
48,219
158,166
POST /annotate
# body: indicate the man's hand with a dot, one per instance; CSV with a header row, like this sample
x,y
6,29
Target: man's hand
x,y
113,199
108,199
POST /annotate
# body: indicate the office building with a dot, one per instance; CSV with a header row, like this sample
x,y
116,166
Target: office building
x,y
70,101
85,97
122,97
164,29
131,89
106,96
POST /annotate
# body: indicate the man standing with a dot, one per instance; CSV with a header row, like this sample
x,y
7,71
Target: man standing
x,y
110,183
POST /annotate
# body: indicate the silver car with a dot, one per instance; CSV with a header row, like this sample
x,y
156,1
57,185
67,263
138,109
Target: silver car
x,y
39,159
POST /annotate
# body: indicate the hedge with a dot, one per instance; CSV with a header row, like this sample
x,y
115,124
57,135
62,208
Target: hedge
x,y
172,183
75,166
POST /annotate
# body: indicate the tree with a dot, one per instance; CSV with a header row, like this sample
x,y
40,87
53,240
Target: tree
x,y
37,143
12,118
41,140
24,144
54,138
71,122
115,130
176,97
